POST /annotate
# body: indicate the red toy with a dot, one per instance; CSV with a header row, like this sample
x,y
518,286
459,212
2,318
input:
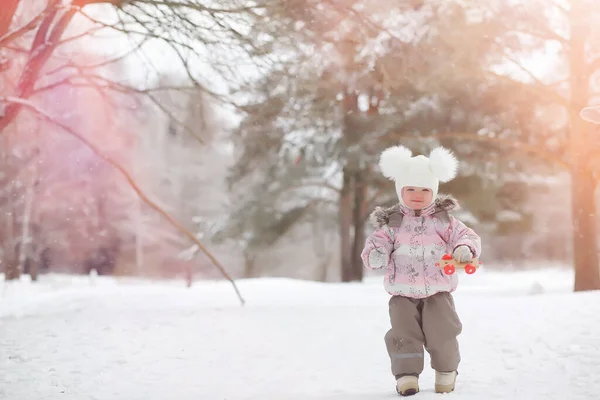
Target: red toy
x,y
449,265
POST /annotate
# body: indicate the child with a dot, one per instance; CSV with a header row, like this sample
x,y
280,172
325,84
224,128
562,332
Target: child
x,y
410,239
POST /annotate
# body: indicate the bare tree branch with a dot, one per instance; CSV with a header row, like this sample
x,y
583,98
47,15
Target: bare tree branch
x,y
7,12
320,185
541,90
518,146
148,33
562,9
42,33
102,84
97,81
199,7
41,50
90,32
104,63
132,183
539,32
116,3
544,35
11,36
371,200
524,69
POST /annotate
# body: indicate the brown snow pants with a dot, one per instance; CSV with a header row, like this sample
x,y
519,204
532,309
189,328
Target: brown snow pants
x,y
430,323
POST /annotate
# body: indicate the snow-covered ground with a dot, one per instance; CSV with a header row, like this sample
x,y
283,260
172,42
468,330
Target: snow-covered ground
x,y
526,336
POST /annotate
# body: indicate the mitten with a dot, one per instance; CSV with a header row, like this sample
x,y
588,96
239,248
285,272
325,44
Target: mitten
x,y
462,254
377,258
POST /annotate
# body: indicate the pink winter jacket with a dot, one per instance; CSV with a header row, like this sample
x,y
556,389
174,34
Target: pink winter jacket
x,y
410,246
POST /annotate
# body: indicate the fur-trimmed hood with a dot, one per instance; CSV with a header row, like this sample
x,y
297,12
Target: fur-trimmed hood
x,y
442,204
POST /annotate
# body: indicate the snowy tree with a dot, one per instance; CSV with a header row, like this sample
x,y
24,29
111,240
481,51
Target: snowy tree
x,y
349,84
32,35
186,171
563,88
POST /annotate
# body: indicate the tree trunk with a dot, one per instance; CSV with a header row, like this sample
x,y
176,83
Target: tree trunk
x,y
34,269
36,263
583,185
322,249
25,244
323,267
250,270
11,269
360,194
11,256
189,274
324,262
139,239
346,198
583,205
351,134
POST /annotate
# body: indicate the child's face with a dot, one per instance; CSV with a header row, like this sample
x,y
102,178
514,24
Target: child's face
x,y
416,197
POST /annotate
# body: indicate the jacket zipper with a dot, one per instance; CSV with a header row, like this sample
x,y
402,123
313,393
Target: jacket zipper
x,y
423,255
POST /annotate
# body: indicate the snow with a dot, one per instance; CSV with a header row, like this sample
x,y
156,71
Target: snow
x,y
526,336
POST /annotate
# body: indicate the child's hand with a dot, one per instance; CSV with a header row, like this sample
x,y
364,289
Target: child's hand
x,y
462,254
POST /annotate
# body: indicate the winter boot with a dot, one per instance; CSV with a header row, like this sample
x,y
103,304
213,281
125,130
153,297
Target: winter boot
x,y
445,381
407,385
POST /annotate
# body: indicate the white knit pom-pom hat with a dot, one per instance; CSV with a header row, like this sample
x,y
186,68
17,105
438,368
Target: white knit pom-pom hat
x,y
398,164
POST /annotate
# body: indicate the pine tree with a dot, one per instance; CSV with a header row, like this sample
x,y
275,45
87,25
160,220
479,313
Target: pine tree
x,y
322,117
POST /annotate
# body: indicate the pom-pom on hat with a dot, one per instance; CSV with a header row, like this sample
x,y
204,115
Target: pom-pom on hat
x,y
398,164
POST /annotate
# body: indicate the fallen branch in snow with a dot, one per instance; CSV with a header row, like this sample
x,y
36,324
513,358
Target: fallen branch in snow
x,y
130,180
